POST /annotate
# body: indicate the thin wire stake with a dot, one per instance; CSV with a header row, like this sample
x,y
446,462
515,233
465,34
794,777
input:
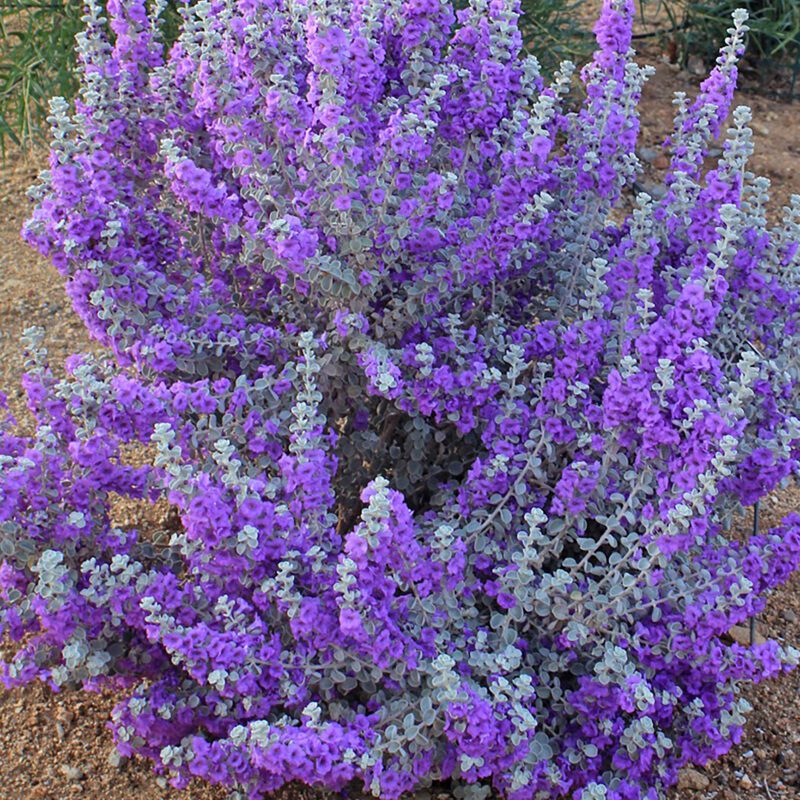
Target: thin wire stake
x,y
756,509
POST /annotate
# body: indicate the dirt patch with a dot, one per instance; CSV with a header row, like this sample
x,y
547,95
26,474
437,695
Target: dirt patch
x,y
766,763
59,746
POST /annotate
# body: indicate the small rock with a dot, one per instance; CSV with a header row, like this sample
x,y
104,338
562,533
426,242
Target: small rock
x,y
745,782
787,615
695,65
60,731
116,759
72,773
648,154
655,190
741,635
761,130
661,162
692,780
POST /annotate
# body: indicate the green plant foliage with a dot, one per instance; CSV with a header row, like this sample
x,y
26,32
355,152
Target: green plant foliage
x,y
774,25
37,62
774,34
557,30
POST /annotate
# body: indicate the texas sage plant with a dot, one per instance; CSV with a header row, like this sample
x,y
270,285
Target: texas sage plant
x,y
455,426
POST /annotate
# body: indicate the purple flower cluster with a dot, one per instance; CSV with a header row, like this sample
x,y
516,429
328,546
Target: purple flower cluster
x,y
454,425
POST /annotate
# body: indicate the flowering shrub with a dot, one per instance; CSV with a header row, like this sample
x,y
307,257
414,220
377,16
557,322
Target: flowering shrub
x,y
454,437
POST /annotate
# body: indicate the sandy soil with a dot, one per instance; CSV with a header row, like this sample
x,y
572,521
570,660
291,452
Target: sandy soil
x,y
58,746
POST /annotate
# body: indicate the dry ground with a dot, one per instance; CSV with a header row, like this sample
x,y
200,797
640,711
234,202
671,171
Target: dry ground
x,y
57,746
